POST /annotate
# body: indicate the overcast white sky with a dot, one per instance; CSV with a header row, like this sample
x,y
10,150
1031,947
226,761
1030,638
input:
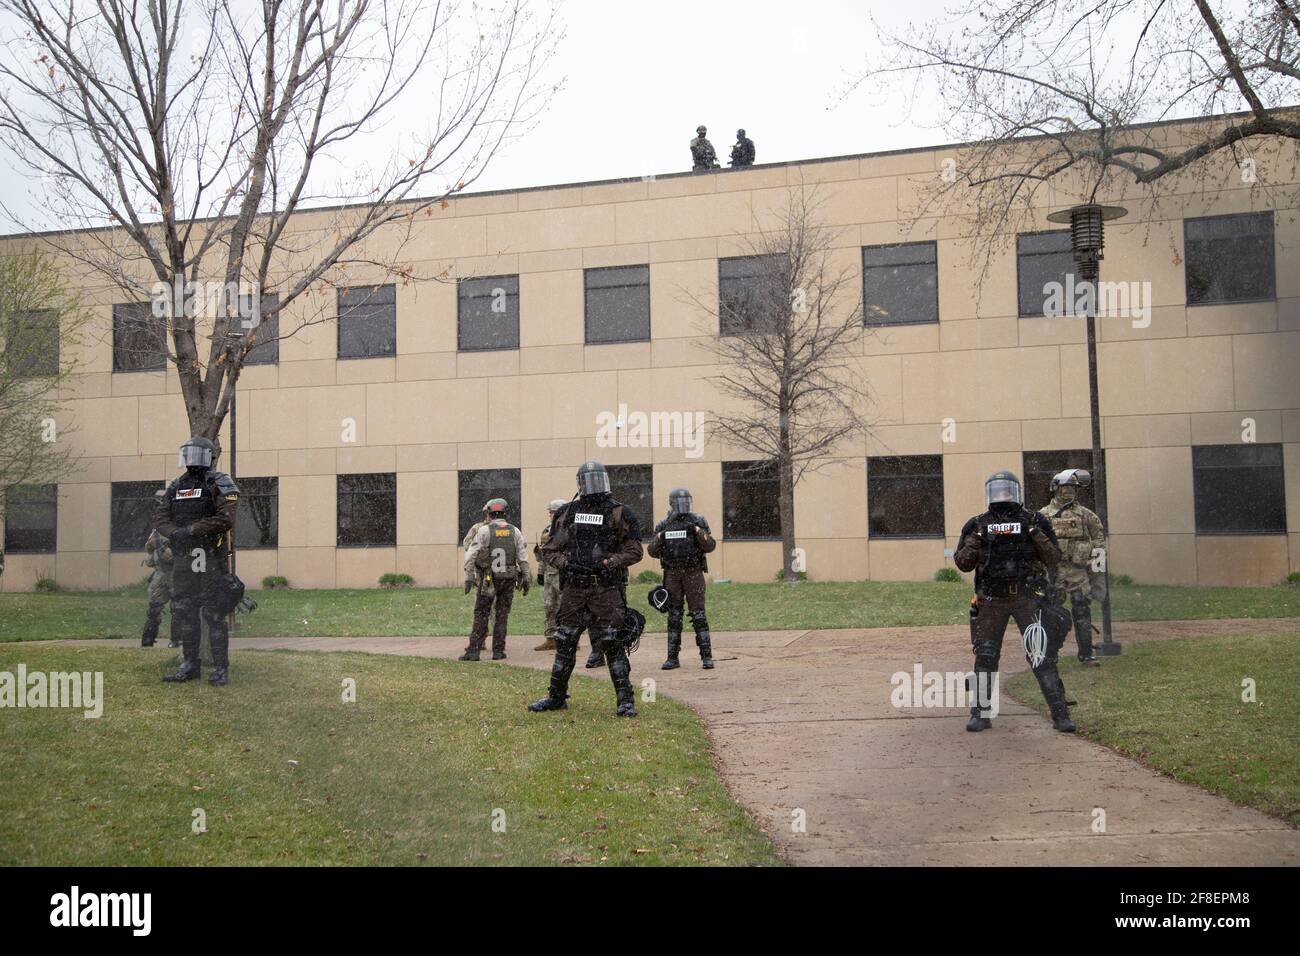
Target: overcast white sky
x,y
642,76
639,77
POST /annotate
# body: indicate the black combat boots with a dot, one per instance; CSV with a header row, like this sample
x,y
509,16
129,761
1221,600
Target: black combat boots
x,y
674,649
549,703
189,670
976,722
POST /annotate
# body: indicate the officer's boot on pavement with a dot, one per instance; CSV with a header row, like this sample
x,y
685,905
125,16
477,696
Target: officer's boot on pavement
x,y
674,639
702,639
547,645
1049,682
983,684
149,636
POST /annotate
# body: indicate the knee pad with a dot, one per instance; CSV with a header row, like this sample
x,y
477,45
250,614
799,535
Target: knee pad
x,y
675,613
566,638
699,621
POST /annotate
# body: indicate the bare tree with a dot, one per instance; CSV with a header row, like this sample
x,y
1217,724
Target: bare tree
x,y
1049,94
198,132
37,315
789,327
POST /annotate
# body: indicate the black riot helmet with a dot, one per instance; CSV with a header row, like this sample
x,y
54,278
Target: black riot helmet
x,y
593,479
1002,491
197,454
680,501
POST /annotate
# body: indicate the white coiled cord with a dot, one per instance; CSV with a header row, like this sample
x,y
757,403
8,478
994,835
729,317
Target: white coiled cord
x,y
1034,637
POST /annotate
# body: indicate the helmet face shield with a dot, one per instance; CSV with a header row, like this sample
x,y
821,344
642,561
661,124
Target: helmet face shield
x,y
680,501
1002,490
593,479
195,454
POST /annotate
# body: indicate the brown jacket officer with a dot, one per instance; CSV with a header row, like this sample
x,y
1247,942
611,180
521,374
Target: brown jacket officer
x,y
681,542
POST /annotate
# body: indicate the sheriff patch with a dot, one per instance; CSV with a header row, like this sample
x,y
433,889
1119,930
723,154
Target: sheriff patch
x,y
581,517
675,534
183,493
1005,527
502,534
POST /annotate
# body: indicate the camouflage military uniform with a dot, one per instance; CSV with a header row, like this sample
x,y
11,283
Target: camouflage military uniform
x,y
550,591
470,535
1080,533
158,555
703,155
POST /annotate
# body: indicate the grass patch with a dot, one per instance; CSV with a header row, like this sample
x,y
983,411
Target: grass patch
x,y
409,612
1176,706
410,774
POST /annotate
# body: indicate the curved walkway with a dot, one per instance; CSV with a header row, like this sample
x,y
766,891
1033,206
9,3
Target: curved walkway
x,y
803,729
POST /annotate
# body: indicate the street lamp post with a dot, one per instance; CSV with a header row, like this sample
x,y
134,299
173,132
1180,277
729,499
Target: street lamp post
x,y
1087,234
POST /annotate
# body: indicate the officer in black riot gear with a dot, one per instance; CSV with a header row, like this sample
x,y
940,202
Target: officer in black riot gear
x,y
681,542
196,514
1011,550
593,541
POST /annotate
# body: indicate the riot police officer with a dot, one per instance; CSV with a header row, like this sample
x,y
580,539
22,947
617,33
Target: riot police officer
x,y
1011,549
593,541
1079,532
497,553
681,542
196,515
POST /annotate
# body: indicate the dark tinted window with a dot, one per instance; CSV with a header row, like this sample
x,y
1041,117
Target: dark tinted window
x,y
1239,489
138,338
487,313
32,344
900,284
480,485
31,519
750,499
905,496
618,304
1229,258
367,510
367,321
1041,466
1041,258
265,335
752,295
634,486
258,522
131,514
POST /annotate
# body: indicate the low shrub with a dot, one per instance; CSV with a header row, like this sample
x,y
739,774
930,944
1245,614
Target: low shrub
x,y
273,581
648,577
947,574
799,575
396,580
1121,581
48,585
1293,579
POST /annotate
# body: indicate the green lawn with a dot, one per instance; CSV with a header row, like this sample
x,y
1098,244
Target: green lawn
x,y
411,773
443,611
1177,706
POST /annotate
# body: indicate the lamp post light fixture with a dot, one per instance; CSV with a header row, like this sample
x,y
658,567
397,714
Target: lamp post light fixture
x,y
1087,240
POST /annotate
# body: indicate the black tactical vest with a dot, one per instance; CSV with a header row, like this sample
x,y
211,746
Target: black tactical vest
x,y
589,529
199,496
681,549
1009,552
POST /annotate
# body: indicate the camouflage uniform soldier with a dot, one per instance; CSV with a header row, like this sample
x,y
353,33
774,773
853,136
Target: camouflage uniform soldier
x,y
549,578
478,526
157,555
703,155
499,553
1080,534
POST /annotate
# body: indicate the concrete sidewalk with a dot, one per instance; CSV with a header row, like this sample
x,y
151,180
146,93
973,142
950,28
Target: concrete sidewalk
x,y
802,721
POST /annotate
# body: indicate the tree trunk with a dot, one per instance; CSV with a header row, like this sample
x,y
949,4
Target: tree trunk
x,y
786,511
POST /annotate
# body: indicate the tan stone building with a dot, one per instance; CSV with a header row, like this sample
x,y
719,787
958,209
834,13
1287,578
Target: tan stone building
x,y
572,313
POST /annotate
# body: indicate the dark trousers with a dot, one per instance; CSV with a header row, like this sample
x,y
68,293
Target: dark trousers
x,y
502,595
196,593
